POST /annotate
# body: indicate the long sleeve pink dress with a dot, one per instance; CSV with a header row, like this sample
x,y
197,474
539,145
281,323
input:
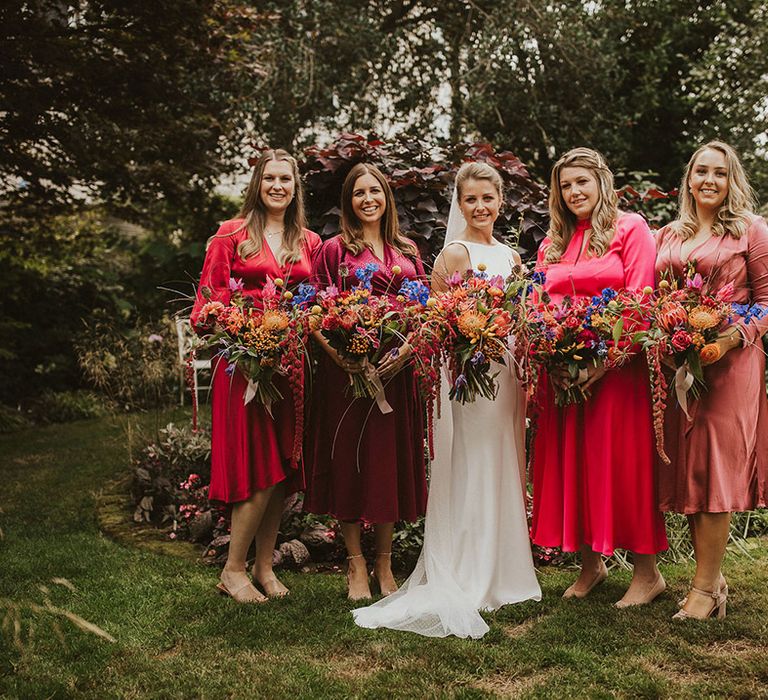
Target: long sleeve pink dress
x,y
720,457
593,462
250,450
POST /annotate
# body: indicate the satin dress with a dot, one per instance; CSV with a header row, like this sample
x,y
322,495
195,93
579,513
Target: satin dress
x,y
250,450
720,457
594,462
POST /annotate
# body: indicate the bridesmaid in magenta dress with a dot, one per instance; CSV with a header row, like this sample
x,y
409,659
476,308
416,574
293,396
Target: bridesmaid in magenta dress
x,y
593,462
362,464
719,457
251,451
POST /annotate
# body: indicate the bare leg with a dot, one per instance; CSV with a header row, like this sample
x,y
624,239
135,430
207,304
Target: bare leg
x,y
647,582
593,571
711,539
246,518
357,569
266,536
382,567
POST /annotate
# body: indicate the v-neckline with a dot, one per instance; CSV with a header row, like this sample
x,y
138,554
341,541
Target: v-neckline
x,y
686,262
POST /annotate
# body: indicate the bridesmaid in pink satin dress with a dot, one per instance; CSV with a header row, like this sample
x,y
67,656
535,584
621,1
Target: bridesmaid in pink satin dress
x,y
251,451
720,457
593,462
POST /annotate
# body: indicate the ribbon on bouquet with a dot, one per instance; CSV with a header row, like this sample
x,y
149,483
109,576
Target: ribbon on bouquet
x,y
373,377
683,382
250,393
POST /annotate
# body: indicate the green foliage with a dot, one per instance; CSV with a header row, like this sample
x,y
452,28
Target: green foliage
x,y
65,406
137,369
165,113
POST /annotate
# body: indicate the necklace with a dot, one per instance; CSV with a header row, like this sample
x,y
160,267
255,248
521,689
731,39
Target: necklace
x,y
273,233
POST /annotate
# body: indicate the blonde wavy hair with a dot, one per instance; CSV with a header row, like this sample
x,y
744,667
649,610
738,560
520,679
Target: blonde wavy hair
x,y
254,212
352,229
563,222
479,171
736,212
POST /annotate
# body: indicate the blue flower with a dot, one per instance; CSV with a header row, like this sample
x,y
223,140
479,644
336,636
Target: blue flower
x,y
608,294
477,359
414,290
365,273
461,382
304,295
229,370
539,277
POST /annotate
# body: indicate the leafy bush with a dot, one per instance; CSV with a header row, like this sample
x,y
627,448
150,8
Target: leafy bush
x,y
135,369
65,406
12,419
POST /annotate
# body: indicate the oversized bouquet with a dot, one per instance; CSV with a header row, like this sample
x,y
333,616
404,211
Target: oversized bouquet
x,y
579,333
260,340
473,320
685,321
359,325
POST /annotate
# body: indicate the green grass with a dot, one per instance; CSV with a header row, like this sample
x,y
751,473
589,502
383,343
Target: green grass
x,y
175,638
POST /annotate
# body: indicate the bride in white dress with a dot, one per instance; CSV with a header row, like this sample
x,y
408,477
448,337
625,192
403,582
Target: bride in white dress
x,y
477,554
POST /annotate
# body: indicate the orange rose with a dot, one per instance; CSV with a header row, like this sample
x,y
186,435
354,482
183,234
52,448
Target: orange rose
x,y
710,353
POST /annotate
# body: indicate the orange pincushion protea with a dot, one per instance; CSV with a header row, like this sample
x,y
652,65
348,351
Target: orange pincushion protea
x,y
274,321
702,317
671,314
471,324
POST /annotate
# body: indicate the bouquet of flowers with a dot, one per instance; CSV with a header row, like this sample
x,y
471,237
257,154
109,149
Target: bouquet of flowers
x,y
358,325
685,321
579,333
261,341
473,320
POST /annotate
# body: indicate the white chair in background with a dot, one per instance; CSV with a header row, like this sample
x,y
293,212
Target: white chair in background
x,y
186,338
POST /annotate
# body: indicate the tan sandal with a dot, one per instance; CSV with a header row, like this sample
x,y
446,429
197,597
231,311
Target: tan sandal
x,y
719,599
242,595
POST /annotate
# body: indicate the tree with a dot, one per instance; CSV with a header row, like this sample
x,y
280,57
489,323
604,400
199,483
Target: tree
x,y
121,102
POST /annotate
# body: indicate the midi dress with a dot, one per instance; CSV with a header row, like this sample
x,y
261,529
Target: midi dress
x,y
250,450
362,464
593,465
719,459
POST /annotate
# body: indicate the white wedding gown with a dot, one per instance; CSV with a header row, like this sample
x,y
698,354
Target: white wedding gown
x,y
476,554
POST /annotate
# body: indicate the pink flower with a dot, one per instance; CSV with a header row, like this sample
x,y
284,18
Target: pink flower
x,y
725,293
696,282
681,340
236,285
269,290
155,338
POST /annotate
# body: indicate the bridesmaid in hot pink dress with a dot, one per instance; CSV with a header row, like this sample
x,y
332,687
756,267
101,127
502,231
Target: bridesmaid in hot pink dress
x,y
719,457
593,462
362,464
251,451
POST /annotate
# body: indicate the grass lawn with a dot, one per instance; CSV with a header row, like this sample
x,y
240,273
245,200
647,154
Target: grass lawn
x,y
174,638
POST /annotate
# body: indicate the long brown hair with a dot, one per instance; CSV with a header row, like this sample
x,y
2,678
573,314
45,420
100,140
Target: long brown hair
x,y
352,228
254,212
563,221
736,212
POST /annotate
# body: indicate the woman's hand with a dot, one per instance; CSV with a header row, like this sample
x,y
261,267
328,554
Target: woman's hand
x,y
348,364
394,361
589,375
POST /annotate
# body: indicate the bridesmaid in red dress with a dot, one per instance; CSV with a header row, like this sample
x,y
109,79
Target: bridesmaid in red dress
x,y
719,457
251,467
362,464
593,462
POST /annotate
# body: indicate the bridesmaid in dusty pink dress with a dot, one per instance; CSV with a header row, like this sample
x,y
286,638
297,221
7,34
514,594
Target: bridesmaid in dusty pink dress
x,y
720,457
593,462
362,464
253,466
